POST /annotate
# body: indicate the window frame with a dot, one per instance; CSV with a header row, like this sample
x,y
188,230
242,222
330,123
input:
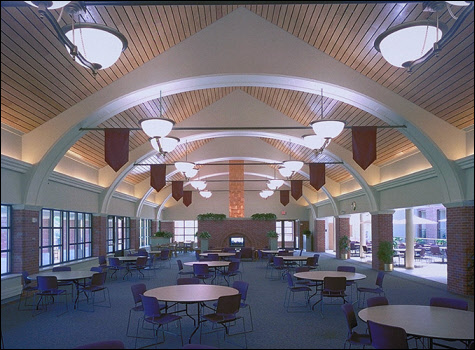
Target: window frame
x,y
7,234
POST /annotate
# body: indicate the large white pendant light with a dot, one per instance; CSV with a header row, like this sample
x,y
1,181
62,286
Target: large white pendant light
x,y
407,42
164,144
191,173
54,4
293,165
205,194
266,193
198,185
184,166
274,184
327,128
157,127
314,141
285,172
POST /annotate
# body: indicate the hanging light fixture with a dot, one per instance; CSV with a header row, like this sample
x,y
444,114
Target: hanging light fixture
x,y
326,129
274,184
191,173
157,127
94,46
313,141
266,193
206,194
285,172
186,166
293,165
164,145
198,185
411,43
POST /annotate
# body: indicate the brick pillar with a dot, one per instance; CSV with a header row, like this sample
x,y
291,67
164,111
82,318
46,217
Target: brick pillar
x,y
342,228
459,248
236,190
134,233
168,226
99,234
381,230
25,238
319,236
155,225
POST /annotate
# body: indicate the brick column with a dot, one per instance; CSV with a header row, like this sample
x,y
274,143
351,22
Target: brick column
x,y
459,248
236,189
155,225
319,236
381,230
167,226
99,234
134,233
342,228
25,238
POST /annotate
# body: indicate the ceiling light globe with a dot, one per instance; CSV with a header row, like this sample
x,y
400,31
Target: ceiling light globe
x,y
166,144
96,42
206,194
455,3
184,166
198,185
285,172
313,141
293,165
327,128
274,184
409,41
157,127
54,4
191,173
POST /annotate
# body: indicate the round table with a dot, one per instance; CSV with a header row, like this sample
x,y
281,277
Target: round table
x,y
220,254
191,293
212,264
424,321
294,258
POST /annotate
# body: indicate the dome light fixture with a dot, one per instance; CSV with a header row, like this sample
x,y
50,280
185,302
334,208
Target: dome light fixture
x,y
184,166
157,127
198,185
285,172
266,193
206,194
274,184
164,145
54,4
327,129
191,173
314,141
293,165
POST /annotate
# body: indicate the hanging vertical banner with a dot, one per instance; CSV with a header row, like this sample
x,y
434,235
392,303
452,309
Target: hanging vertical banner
x,y
284,197
158,176
177,190
187,198
317,175
296,188
364,145
116,147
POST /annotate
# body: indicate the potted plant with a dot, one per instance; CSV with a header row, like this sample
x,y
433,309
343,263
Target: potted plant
x,y
308,240
160,238
385,254
344,245
203,236
264,216
211,216
272,235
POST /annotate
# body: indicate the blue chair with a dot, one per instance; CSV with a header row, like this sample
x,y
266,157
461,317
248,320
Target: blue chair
x,y
353,337
377,290
377,301
154,316
182,271
201,271
231,272
47,290
140,265
97,285
165,257
449,303
290,292
114,266
350,284
64,283
279,266
387,337
27,290
333,287
137,290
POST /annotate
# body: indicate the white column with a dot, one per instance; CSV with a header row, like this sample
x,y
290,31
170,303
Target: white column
x,y
362,236
409,240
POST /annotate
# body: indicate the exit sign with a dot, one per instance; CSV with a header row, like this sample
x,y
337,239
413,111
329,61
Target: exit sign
x,y
283,212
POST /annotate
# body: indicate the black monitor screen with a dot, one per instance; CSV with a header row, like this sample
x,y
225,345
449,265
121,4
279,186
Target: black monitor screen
x,y
236,241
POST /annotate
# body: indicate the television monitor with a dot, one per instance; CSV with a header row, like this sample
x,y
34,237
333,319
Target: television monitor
x,y
236,241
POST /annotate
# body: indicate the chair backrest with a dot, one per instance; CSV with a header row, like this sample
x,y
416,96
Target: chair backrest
x,y
259,254
107,344
114,262
377,301
233,266
213,257
98,279
26,281
449,303
242,287
290,280
180,264
164,254
142,252
365,249
187,280
434,250
151,307
61,268
238,255
46,282
334,284
96,269
302,269
229,304
141,261
422,253
387,337
200,269
278,261
350,316
102,260
345,268
311,261
138,289
197,255
316,256
380,278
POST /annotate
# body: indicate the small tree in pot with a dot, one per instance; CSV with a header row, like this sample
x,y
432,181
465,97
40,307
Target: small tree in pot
x,y
385,254
344,245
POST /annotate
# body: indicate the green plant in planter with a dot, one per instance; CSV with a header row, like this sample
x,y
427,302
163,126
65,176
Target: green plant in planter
x,y
203,235
263,216
344,244
385,252
307,233
211,216
272,234
163,234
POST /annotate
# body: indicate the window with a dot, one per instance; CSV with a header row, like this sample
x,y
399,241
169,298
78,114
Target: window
x,y
145,231
64,236
441,224
118,233
285,229
185,230
6,239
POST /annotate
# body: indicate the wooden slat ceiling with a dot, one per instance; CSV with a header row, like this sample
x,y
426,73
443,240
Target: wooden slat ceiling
x,y
39,80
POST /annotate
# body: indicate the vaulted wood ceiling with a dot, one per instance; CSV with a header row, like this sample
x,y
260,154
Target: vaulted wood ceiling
x,y
39,79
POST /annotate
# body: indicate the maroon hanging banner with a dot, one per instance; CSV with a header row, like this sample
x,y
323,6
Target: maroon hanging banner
x,y
317,175
177,190
364,145
284,197
296,188
116,147
187,198
158,176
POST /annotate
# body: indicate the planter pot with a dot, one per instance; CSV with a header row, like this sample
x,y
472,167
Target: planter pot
x,y
204,244
308,243
344,256
388,267
157,241
273,243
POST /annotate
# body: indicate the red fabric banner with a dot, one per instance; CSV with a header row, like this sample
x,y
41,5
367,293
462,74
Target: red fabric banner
x,y
296,188
284,197
116,147
317,175
187,198
158,176
177,190
364,145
